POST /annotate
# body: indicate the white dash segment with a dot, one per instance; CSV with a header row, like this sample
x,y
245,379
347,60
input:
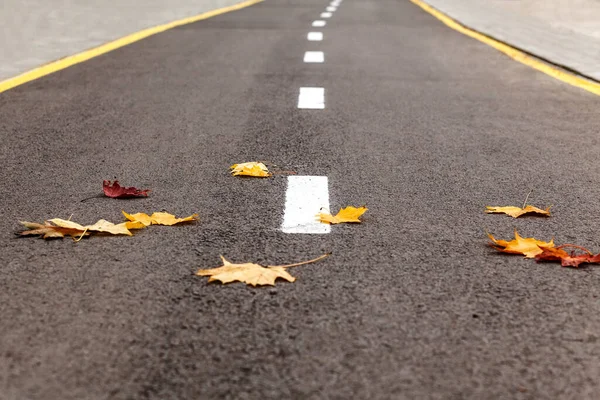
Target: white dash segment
x,y
315,36
312,98
331,8
304,198
326,15
314,57
319,23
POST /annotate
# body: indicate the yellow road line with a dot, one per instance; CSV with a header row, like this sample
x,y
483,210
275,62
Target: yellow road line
x,y
518,55
115,44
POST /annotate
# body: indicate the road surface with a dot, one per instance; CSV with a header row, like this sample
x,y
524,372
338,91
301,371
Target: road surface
x,y
423,125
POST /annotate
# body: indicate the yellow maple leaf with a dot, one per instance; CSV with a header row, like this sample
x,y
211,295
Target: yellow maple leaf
x,y
529,247
251,274
158,218
516,212
254,168
348,214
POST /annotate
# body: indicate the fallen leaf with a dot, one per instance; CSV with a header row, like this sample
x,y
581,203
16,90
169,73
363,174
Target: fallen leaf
x,y
115,190
163,218
529,247
568,259
348,214
48,231
251,274
158,218
100,226
256,169
516,212
139,217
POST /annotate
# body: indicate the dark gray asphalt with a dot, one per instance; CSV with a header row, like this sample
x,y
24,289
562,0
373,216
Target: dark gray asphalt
x,y
422,124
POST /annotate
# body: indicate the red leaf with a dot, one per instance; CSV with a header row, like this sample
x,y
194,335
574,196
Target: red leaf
x,y
568,259
117,191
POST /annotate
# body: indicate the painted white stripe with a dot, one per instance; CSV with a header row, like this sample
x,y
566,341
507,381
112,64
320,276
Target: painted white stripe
x,y
326,15
319,23
314,57
315,36
305,197
312,98
331,8
335,3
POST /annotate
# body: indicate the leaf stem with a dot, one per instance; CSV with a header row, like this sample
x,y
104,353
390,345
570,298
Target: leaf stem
x,y
527,198
302,263
576,247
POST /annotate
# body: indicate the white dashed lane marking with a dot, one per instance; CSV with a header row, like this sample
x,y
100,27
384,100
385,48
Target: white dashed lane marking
x,y
326,15
314,57
304,198
331,8
312,98
319,23
315,36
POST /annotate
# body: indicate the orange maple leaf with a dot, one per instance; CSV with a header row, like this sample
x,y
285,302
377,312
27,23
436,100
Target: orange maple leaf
x,y
529,247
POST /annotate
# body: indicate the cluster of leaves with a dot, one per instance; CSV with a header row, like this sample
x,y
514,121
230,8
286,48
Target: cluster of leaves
x,y
249,273
540,250
545,251
59,228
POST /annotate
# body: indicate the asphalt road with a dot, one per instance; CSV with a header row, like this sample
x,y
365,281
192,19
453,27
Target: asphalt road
x,y
422,124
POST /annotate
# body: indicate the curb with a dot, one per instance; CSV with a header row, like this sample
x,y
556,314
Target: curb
x,y
531,60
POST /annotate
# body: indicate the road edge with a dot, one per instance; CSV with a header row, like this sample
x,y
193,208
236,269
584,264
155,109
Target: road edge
x,y
528,59
77,58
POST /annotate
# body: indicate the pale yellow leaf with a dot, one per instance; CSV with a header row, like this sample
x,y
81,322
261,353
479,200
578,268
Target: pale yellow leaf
x,y
63,223
100,226
516,212
251,274
48,230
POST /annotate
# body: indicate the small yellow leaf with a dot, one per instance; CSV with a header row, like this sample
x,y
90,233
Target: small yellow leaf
x,y
158,218
134,225
251,274
516,212
163,218
142,218
348,214
256,169
529,247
